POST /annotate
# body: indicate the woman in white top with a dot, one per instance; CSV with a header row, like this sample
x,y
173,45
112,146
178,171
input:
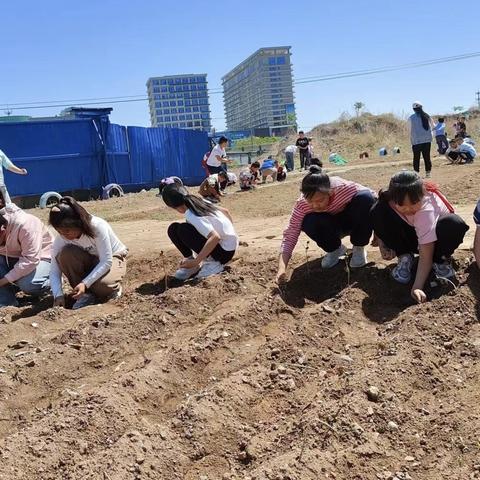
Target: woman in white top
x,y
88,253
218,157
209,233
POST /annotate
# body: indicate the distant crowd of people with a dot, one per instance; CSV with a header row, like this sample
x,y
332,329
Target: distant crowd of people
x,y
459,149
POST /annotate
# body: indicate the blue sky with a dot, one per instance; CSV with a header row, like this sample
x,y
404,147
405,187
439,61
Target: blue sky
x,y
55,50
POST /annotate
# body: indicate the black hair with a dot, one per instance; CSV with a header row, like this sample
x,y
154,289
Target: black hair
x,y
301,131
404,184
222,140
425,117
68,213
441,119
177,196
315,181
316,161
458,135
223,173
255,164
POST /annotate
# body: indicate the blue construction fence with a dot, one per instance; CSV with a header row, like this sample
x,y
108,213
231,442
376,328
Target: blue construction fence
x,y
90,153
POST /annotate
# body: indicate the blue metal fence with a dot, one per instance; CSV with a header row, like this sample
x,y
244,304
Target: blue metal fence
x,y
87,154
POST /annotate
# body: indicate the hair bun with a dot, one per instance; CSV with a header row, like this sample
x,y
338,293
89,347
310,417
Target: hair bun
x,y
314,169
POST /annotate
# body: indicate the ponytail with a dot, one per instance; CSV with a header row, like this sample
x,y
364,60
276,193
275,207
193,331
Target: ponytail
x,y
175,195
68,213
425,117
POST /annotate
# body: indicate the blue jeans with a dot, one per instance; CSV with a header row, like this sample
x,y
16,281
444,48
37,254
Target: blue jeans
x,y
289,161
35,283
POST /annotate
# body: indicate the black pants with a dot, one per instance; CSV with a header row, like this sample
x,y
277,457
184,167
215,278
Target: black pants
x,y
424,150
187,239
213,170
467,156
304,158
401,237
327,229
442,144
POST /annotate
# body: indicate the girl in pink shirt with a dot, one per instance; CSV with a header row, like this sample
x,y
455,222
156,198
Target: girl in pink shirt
x,y
329,208
412,217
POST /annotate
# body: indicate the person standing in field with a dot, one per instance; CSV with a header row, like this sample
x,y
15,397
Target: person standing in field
x,y
440,136
302,144
421,125
8,164
289,157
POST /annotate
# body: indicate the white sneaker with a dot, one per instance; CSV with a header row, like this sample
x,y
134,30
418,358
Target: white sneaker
x,y
332,258
84,301
428,174
444,269
116,294
402,273
359,257
185,273
210,267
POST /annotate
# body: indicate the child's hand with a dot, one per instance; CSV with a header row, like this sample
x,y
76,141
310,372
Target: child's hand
x,y
418,295
24,171
79,290
189,263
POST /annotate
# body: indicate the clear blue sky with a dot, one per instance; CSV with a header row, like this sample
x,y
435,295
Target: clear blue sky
x,y
54,50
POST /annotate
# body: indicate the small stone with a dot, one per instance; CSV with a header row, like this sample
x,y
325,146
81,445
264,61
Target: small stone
x,y
448,345
373,393
370,411
34,324
392,426
281,370
409,458
31,363
140,459
83,447
291,385
301,360
328,308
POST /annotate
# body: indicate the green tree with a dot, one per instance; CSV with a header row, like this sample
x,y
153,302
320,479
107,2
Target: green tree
x,y
358,107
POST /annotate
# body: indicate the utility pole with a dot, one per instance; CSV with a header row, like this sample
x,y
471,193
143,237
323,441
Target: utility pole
x,y
478,98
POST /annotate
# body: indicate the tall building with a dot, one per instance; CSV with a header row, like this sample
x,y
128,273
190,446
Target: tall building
x,y
179,101
258,93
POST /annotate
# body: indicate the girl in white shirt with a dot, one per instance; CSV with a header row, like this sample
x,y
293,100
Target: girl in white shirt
x,y
88,253
208,232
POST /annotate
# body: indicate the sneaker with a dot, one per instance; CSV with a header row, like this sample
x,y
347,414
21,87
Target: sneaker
x,y
84,301
116,294
402,273
359,257
428,175
332,258
185,273
444,269
210,267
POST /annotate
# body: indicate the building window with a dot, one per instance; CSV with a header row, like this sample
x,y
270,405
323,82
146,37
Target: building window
x,y
167,119
173,103
281,60
174,118
188,109
181,117
183,124
181,110
189,124
188,117
180,103
164,89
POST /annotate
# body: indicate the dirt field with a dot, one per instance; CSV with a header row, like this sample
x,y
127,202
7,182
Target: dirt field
x,y
336,376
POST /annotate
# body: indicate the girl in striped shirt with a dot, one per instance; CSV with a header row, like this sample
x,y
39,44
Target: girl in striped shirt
x,y
329,209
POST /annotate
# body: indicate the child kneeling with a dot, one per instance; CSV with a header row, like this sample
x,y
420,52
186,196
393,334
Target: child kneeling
x,y
88,253
412,217
208,233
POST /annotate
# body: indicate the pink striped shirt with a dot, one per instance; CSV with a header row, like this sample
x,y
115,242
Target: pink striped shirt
x,y
342,192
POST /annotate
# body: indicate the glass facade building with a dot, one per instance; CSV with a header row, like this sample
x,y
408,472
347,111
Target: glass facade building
x,y
258,93
179,101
